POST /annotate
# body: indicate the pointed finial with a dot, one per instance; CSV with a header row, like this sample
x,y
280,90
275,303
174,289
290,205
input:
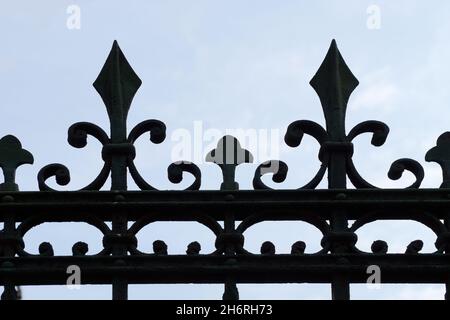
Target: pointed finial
x,y
228,155
334,83
117,84
12,155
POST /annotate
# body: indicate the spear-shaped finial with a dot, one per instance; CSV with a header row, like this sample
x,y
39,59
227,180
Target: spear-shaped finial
x,y
117,84
334,83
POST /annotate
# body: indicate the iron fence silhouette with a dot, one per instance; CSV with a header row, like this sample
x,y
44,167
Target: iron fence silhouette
x,y
227,212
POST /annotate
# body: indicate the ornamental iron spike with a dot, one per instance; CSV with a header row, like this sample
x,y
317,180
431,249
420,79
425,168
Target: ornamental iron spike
x,y
117,84
334,83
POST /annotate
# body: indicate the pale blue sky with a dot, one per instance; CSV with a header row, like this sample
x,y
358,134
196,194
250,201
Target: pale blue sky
x,y
231,64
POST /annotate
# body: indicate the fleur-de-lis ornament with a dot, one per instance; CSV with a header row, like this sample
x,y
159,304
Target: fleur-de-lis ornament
x,y
117,85
228,155
12,155
441,154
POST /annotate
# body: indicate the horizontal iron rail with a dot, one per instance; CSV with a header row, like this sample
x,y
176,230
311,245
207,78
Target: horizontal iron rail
x,y
188,205
395,268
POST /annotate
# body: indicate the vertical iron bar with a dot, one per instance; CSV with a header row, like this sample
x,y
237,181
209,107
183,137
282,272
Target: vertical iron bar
x,y
447,283
117,84
119,284
9,229
340,288
228,155
333,83
231,291
119,182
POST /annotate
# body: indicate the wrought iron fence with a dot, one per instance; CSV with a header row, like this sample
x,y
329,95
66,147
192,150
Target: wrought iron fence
x,y
121,262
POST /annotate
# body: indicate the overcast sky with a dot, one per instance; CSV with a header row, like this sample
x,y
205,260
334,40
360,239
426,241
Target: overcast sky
x,y
226,65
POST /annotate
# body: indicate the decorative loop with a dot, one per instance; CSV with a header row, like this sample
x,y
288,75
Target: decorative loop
x,y
296,130
175,173
277,167
78,133
57,170
155,128
400,165
395,172
379,130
